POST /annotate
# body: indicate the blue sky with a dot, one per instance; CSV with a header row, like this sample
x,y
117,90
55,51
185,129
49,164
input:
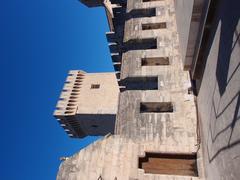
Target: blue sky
x,y
40,41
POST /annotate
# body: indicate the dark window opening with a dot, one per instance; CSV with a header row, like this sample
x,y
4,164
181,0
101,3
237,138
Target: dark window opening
x,y
149,26
95,86
171,164
140,44
94,126
150,0
155,61
140,83
156,107
140,13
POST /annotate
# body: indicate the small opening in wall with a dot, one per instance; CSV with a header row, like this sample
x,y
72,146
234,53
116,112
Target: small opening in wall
x,y
155,61
95,86
94,126
156,107
150,0
139,13
140,83
149,26
172,164
140,44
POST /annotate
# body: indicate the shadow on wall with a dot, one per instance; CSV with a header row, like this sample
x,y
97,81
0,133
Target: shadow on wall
x,y
230,126
229,20
228,14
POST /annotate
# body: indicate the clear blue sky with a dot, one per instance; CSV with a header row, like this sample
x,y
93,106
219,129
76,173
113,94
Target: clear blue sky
x,y
40,41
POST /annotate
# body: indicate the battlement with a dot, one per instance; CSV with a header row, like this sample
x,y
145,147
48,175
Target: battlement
x,y
88,104
67,103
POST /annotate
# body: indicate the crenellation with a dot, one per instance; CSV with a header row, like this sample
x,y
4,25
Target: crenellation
x,y
147,108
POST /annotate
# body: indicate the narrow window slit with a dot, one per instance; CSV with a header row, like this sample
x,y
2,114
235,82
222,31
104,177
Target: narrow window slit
x,y
149,26
156,107
155,61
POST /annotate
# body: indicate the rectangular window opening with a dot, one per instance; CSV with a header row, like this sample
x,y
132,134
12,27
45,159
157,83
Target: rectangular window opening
x,y
95,86
171,164
149,26
141,83
140,13
156,107
140,44
150,0
155,61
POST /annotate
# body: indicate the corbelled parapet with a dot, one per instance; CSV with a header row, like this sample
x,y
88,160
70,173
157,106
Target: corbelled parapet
x,y
88,104
67,104
155,120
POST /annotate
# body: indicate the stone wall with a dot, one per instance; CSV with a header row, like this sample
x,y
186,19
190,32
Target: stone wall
x,y
184,10
219,95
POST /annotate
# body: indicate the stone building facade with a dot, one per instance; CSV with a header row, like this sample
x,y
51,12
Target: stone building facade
x,y
213,58
163,108
88,104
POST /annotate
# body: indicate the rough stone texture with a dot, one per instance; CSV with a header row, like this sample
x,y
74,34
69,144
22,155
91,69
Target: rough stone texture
x,y
98,101
176,129
115,157
82,110
219,96
184,10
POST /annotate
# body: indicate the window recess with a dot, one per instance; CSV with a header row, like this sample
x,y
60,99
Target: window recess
x,y
95,86
155,61
171,164
149,26
140,44
150,0
141,13
156,107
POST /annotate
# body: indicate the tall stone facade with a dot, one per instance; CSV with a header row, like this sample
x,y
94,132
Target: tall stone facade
x,y
156,128
212,51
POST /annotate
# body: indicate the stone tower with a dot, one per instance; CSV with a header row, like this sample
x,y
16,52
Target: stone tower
x,y
88,104
155,135
177,98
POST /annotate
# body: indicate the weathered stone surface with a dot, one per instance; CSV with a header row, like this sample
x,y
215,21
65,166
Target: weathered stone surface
x,y
176,129
219,96
84,110
115,157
